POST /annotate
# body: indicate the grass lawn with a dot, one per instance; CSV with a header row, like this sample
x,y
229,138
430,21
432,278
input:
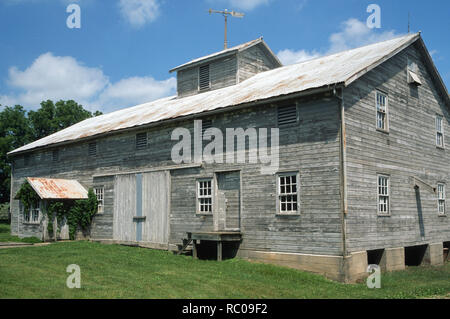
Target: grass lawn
x,y
5,236
113,271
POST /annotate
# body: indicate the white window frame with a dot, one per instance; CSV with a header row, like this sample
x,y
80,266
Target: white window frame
x,y
441,198
281,194
387,196
200,197
100,194
440,131
29,216
380,111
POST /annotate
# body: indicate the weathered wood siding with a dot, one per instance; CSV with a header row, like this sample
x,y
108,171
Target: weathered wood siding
x,y
222,74
311,148
253,61
409,149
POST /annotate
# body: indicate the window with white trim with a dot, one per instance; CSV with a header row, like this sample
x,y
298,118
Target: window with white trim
x,y
383,195
32,216
441,198
204,196
382,114
288,193
439,131
99,192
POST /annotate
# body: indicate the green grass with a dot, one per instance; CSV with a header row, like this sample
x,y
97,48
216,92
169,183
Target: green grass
x,y
6,237
112,271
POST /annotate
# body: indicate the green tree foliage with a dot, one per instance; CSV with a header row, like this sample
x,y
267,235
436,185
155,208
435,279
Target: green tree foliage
x,y
19,127
51,117
15,131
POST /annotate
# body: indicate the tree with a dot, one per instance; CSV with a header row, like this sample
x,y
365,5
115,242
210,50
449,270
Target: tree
x,y
19,127
51,118
15,131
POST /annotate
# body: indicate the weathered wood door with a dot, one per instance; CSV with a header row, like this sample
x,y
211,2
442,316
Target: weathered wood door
x,y
141,208
228,201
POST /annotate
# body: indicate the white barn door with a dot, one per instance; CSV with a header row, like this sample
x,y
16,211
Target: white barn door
x,y
141,208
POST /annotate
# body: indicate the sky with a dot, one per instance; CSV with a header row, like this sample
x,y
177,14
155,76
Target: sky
x,y
122,53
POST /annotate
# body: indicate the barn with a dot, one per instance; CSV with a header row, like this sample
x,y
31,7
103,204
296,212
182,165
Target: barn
x,y
328,165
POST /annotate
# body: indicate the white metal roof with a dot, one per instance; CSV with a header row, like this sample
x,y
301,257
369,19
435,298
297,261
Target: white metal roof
x,y
220,53
340,68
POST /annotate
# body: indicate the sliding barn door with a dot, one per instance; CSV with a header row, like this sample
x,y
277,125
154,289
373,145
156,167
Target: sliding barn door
x,y
141,208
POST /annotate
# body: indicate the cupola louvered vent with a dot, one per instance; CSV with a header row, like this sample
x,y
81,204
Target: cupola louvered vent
x,y
203,78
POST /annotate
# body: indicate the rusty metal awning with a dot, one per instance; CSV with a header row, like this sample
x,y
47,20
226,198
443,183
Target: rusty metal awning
x,y
48,188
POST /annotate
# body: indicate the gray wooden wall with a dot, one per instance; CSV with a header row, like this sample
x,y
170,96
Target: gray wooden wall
x,y
408,150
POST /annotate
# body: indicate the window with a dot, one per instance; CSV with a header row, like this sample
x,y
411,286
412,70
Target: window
x,y
204,82
99,192
288,193
32,216
141,141
92,149
383,195
204,196
382,117
55,156
439,131
441,198
413,71
287,115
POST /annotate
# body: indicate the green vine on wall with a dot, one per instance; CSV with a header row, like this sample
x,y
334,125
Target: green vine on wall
x,y
78,213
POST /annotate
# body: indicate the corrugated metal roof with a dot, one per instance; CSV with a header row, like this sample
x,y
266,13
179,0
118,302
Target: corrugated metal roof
x,y
340,68
217,54
48,188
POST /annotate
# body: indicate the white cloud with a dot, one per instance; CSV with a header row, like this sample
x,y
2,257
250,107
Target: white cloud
x,y
139,12
136,90
288,56
54,77
353,34
242,4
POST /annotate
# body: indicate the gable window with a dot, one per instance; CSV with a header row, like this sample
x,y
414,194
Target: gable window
x,y
92,149
439,131
413,71
383,195
287,115
99,192
204,196
288,193
441,198
141,141
382,114
204,82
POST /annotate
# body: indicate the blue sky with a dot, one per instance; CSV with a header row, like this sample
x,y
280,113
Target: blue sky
x,y
122,53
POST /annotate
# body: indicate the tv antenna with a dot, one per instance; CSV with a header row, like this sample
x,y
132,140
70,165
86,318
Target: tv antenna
x,y
225,14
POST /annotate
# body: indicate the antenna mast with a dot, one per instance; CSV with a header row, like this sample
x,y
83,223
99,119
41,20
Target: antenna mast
x,y
225,14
